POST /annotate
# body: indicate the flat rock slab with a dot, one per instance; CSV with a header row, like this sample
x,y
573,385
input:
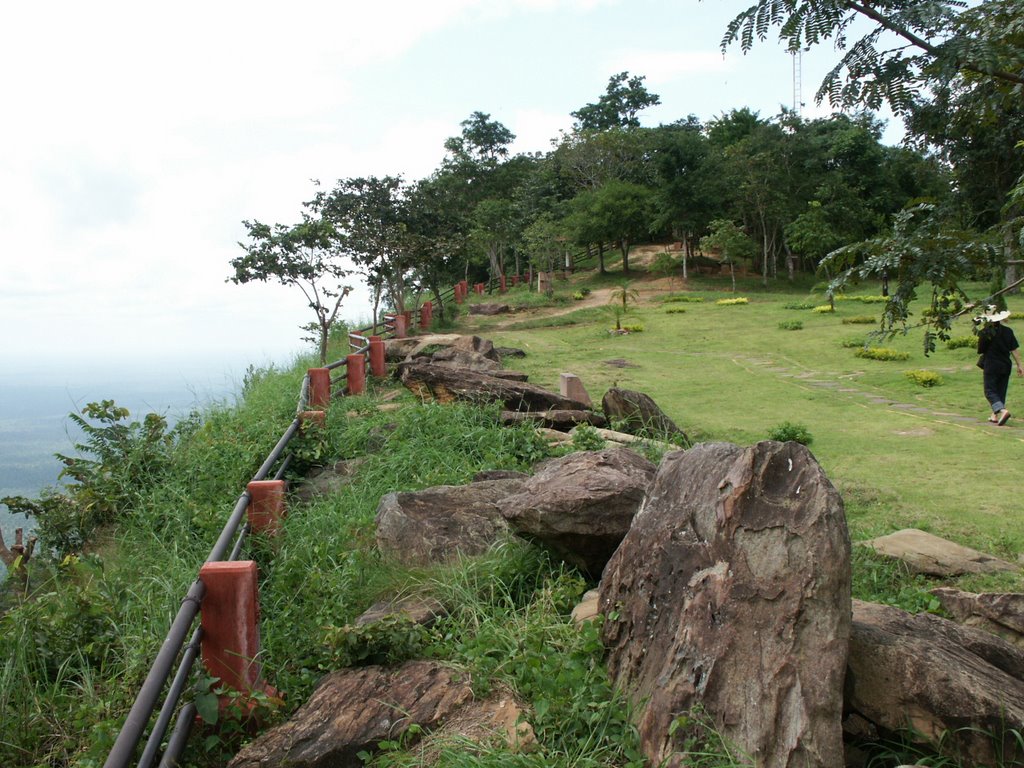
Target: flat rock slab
x,y
433,382
489,309
1001,613
934,556
560,419
354,710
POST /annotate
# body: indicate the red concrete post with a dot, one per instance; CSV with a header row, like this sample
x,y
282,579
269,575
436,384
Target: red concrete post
x,y
515,280
409,324
319,387
465,288
317,418
426,315
458,293
377,367
267,506
231,628
400,327
355,374
503,283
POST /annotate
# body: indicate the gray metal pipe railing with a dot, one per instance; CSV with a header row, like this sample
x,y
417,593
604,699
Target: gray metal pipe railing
x,y
122,753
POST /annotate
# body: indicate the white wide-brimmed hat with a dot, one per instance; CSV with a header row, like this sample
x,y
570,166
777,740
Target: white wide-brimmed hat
x,y
993,315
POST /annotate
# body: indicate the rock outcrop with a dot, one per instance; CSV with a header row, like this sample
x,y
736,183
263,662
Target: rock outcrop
x,y
581,505
1000,613
731,592
438,524
959,689
639,414
932,555
429,381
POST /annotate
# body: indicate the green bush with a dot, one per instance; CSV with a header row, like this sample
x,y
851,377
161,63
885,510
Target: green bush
x,y
586,438
789,432
859,320
675,311
852,343
732,302
635,328
682,297
791,325
578,296
962,342
797,305
882,353
823,309
924,378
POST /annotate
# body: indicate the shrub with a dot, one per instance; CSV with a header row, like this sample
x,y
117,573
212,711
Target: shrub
x,y
682,297
675,310
789,432
824,309
859,320
791,325
1016,316
797,305
586,438
961,342
882,353
578,296
872,299
732,302
924,378
852,343
635,328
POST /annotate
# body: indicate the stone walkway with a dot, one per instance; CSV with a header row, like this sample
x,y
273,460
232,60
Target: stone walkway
x,y
843,384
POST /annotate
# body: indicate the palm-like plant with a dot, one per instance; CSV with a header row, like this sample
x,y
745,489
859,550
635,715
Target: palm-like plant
x,y
619,300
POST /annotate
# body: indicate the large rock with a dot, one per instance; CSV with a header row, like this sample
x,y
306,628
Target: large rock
x,y
434,382
929,554
639,414
958,688
731,594
354,710
454,357
489,309
438,524
1001,613
329,480
476,344
581,505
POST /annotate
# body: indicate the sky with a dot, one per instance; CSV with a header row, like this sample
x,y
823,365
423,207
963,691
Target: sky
x,y
136,137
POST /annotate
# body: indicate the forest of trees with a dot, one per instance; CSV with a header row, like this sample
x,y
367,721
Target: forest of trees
x,y
800,190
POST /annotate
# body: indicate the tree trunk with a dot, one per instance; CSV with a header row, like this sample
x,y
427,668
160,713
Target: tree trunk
x,y
600,258
732,273
624,247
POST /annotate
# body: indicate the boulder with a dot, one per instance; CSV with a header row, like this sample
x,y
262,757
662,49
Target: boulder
x,y
476,344
489,309
433,382
934,556
1001,614
581,505
504,352
959,689
441,523
353,710
640,415
454,357
562,420
499,474
328,480
731,594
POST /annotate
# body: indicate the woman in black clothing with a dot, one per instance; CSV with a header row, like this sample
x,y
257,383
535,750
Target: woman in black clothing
x,y
996,344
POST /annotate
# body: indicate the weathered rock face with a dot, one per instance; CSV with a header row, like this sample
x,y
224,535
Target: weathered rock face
x,y
958,687
639,413
488,309
732,591
353,710
437,524
1001,614
434,382
476,344
454,357
581,505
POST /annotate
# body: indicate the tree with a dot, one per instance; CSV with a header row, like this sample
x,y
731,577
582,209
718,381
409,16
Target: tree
x,y
619,300
371,214
624,97
618,211
308,255
911,44
729,240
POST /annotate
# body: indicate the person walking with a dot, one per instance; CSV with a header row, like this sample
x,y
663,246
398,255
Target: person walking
x,y
996,345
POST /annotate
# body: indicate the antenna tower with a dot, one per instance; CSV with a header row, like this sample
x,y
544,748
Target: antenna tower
x,y
798,100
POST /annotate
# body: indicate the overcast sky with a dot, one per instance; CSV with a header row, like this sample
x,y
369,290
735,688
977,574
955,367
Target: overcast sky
x,y
135,137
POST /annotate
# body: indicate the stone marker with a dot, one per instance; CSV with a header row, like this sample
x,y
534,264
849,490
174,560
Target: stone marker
x,y
571,387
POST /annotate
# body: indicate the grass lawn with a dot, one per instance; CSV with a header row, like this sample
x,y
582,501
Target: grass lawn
x,y
902,455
